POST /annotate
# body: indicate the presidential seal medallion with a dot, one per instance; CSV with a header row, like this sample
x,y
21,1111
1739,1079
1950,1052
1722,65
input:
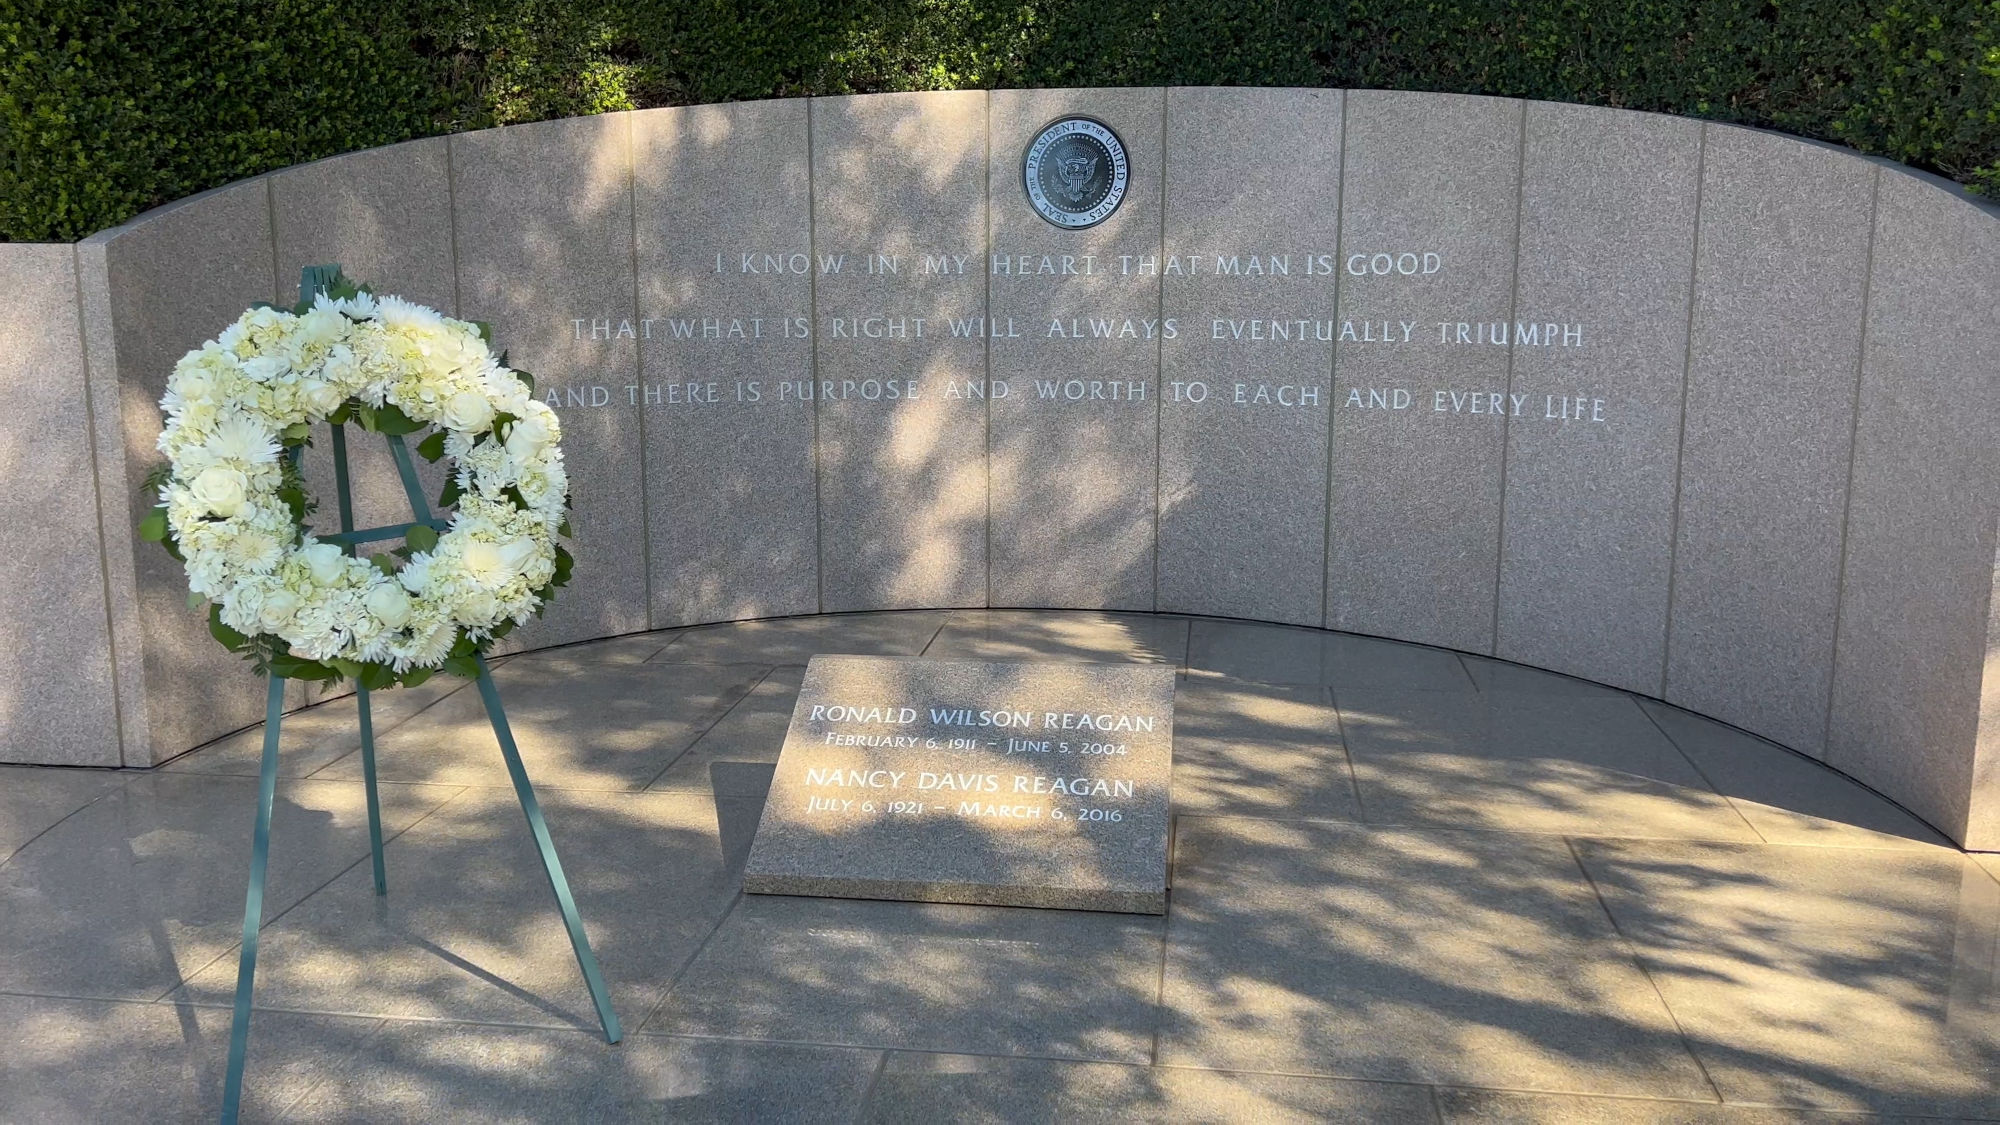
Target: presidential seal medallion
x,y
1075,172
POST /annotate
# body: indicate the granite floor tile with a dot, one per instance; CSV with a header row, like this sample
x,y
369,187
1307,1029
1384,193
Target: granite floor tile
x,y
1259,750
469,930
35,798
979,979
1464,958
1787,798
1283,654
918,1089
1831,978
92,1061
616,728
1490,1107
737,755
1072,635
430,1072
319,735
1526,763
145,886
1505,676
795,640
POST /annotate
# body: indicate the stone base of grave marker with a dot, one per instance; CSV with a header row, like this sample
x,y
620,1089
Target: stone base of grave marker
x,y
1001,784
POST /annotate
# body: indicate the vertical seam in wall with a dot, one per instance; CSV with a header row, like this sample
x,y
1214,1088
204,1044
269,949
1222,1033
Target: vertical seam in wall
x,y
1333,380
1853,455
1687,376
1160,356
812,327
639,373
1506,423
271,219
97,497
451,215
986,267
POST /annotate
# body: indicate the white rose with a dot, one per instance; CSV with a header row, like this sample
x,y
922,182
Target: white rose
x,y
326,563
264,368
477,608
467,411
389,604
220,490
527,437
321,397
193,384
279,606
516,553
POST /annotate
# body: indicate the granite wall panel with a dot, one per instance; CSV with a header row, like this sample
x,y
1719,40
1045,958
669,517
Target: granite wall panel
x,y
1775,339
1078,328
1921,510
725,306
543,219
171,279
899,239
385,216
58,699
1253,202
1594,401
1429,211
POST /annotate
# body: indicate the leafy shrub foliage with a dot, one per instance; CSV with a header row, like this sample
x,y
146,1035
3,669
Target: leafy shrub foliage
x,y
108,107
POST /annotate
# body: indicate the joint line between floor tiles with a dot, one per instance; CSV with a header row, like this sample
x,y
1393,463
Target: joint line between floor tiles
x,y
868,1092
1698,771
726,712
1632,954
674,981
267,923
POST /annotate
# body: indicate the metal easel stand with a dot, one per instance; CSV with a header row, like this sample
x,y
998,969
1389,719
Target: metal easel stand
x,y
267,783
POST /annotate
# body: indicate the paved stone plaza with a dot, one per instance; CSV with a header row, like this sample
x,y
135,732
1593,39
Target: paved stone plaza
x,y
1408,885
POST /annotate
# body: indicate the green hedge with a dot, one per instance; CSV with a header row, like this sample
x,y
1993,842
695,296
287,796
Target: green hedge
x,y
108,107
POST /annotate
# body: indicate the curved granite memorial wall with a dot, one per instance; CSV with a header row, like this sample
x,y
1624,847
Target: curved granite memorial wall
x,y
1697,411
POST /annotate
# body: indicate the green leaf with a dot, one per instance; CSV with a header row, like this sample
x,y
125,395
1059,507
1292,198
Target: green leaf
x,y
513,492
416,676
390,420
230,638
349,668
296,433
386,563
421,538
450,494
344,415
502,422
485,330
376,677
526,378
563,530
153,529
432,447
464,666
292,667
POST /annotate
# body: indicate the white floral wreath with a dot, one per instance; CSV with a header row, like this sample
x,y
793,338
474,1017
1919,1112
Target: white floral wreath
x,y
233,503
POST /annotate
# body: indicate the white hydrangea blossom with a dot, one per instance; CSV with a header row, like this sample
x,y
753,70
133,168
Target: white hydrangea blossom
x,y
228,404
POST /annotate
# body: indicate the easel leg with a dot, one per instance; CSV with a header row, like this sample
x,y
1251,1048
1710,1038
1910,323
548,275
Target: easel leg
x,y
253,904
551,866
368,778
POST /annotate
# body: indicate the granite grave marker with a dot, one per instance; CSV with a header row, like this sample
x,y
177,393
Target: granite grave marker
x,y
946,781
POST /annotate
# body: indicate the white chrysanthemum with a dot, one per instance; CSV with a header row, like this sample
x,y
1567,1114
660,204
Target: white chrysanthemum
x,y
242,439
